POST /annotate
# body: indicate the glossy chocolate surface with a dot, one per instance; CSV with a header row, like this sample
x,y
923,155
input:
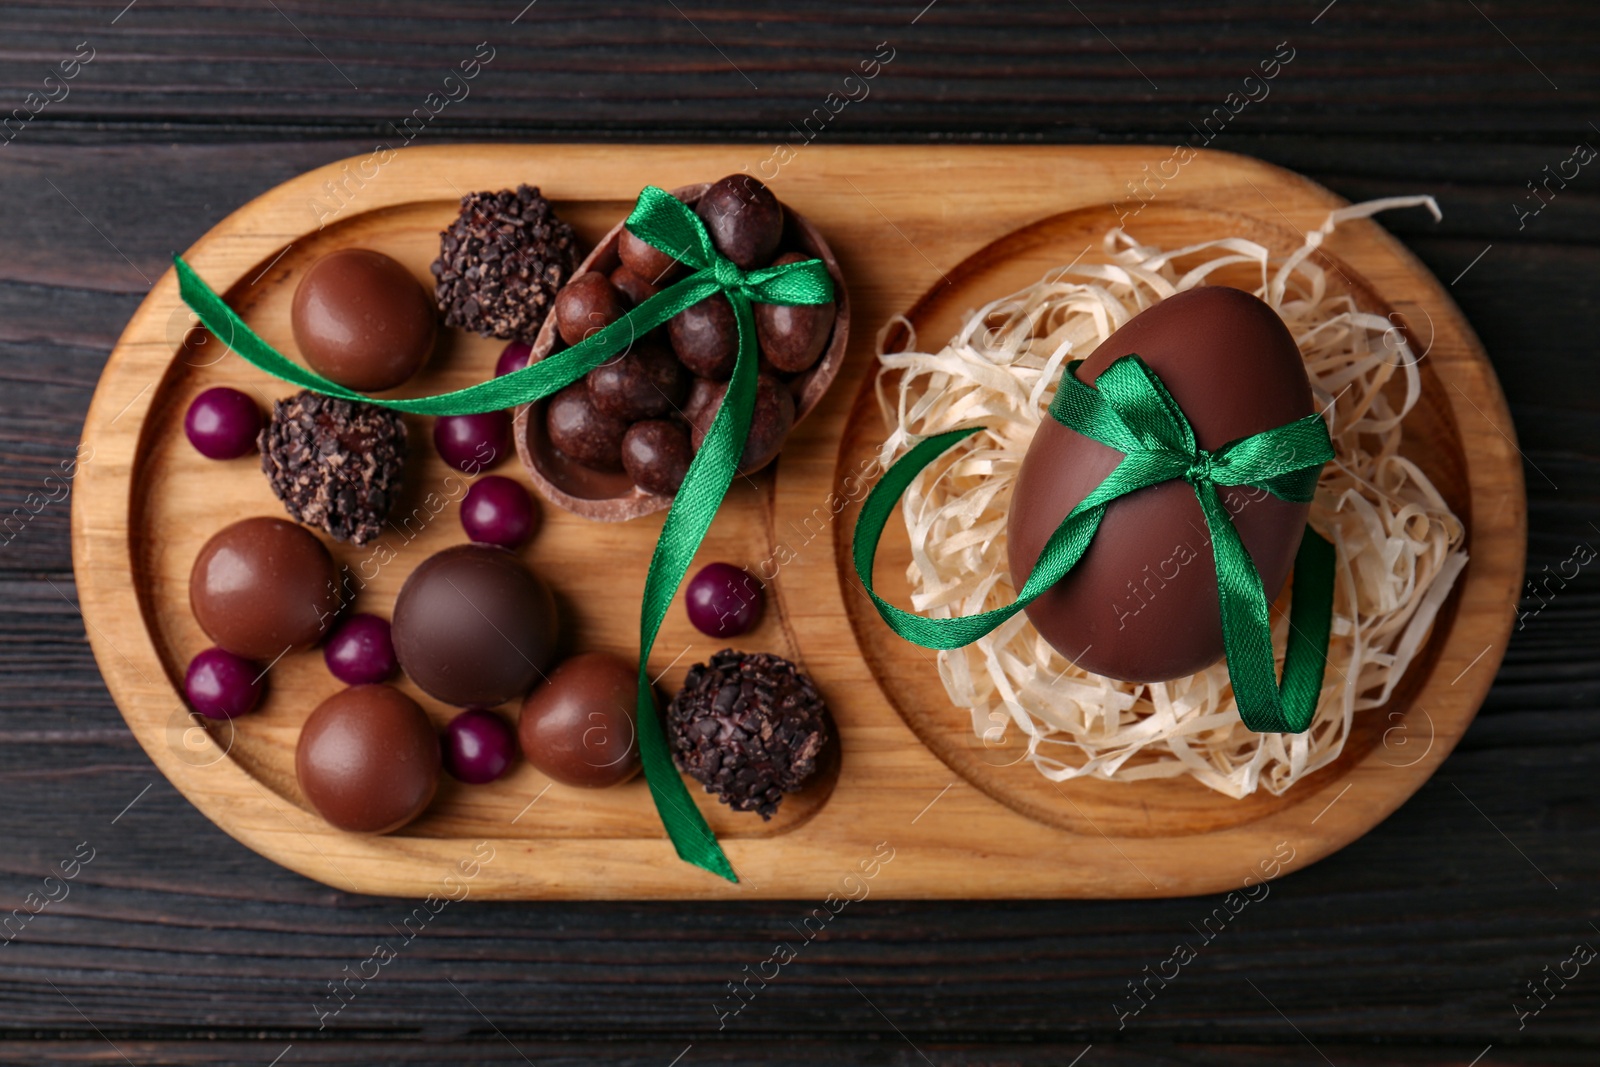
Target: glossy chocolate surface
x,y
645,382
1141,605
579,727
656,454
474,626
262,587
586,305
744,219
582,432
368,759
792,336
361,319
770,421
705,337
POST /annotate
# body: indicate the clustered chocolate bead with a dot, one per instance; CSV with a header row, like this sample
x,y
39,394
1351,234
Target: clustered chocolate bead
x,y
647,411
749,727
501,263
336,464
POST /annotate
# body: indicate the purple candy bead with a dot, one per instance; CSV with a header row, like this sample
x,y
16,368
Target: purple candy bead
x,y
498,511
360,651
723,601
222,423
478,746
220,685
472,443
512,358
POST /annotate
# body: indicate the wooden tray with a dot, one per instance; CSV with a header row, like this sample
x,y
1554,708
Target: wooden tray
x,y
912,783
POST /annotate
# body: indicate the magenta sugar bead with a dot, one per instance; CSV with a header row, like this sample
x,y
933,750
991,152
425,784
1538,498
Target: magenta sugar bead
x,y
723,601
360,651
222,423
478,746
220,685
472,443
498,511
512,358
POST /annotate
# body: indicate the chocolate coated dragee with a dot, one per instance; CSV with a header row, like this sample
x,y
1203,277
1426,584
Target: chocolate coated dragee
x,y
368,759
263,586
474,626
792,336
361,319
631,286
642,383
647,261
582,432
656,454
744,219
579,726
1141,605
770,421
705,337
587,304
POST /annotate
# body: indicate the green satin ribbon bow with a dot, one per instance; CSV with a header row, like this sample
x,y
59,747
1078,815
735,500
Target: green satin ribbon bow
x,y
671,226
1130,410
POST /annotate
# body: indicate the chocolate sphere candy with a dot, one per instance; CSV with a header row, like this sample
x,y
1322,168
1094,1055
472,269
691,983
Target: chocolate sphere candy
x,y
792,336
656,454
587,304
631,286
262,587
368,759
744,219
474,627
361,319
706,337
646,260
770,422
642,383
1141,605
579,726
582,432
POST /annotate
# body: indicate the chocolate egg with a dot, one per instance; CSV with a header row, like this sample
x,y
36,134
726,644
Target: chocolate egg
x,y
361,319
582,432
587,304
656,454
705,337
368,759
646,260
631,286
744,219
792,336
474,627
771,419
1141,605
645,382
579,727
263,586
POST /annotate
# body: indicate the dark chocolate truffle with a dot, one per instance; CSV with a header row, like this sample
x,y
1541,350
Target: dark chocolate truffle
x,y
474,627
368,759
585,305
336,464
706,337
642,383
579,726
582,432
362,320
656,454
749,727
744,219
263,586
770,421
792,336
502,262
1141,605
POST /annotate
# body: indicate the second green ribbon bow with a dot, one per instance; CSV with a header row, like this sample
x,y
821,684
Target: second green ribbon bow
x,y
668,224
1130,410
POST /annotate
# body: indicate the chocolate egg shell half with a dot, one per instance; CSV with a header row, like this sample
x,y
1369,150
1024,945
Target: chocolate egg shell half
x,y
1141,605
474,626
368,759
263,586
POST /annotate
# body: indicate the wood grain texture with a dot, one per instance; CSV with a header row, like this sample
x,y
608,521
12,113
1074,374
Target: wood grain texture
x,y
1405,948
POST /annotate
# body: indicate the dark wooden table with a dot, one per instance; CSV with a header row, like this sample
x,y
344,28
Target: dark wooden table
x,y
1415,945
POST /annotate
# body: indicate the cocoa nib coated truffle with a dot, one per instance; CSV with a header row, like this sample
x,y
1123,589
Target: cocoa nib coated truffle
x,y
501,263
749,727
335,464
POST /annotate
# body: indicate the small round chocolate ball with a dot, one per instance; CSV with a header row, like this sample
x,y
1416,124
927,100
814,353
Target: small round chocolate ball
x,y
646,260
361,319
579,727
644,382
586,305
368,759
744,219
263,586
474,626
634,288
703,395
656,454
582,432
705,337
770,422
792,336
